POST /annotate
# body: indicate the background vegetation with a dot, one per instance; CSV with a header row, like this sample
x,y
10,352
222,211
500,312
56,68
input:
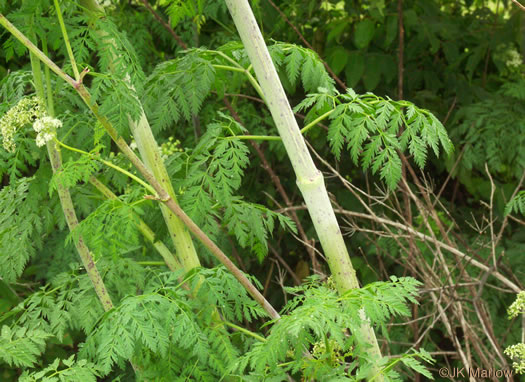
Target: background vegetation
x,y
413,111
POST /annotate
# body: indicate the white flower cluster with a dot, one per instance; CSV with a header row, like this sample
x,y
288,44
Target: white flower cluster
x,y
45,127
518,306
513,59
23,113
517,354
506,56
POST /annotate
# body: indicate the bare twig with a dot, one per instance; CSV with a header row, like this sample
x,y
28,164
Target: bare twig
x,y
489,333
515,288
446,246
505,220
294,276
491,219
268,278
449,175
449,112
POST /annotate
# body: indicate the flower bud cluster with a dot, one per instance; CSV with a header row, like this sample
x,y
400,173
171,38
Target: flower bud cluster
x,y
514,59
170,147
26,111
320,349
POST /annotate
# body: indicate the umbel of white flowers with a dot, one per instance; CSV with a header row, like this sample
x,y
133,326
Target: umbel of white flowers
x,y
27,111
517,352
45,127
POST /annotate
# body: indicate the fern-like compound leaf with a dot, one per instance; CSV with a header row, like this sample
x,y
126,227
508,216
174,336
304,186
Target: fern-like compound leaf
x,y
20,346
370,126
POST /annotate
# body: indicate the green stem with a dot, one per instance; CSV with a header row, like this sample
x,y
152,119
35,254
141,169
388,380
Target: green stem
x,y
109,164
255,137
66,40
66,201
50,101
150,153
240,69
151,263
150,178
229,59
169,260
222,25
229,68
316,121
309,179
245,331
378,375
256,85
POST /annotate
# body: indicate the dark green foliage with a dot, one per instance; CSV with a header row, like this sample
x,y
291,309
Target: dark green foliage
x,y
374,129
82,42
196,10
176,89
69,370
214,173
490,127
218,289
300,63
517,204
20,346
163,319
73,172
118,100
13,87
315,322
110,229
20,227
461,64
62,306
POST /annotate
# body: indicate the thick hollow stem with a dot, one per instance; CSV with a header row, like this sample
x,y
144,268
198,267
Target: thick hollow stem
x,y
327,228
150,154
309,179
146,231
162,195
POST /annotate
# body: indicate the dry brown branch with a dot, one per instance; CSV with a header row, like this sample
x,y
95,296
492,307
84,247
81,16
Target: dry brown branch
x,y
448,247
475,343
438,196
469,260
519,4
505,219
296,279
491,219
